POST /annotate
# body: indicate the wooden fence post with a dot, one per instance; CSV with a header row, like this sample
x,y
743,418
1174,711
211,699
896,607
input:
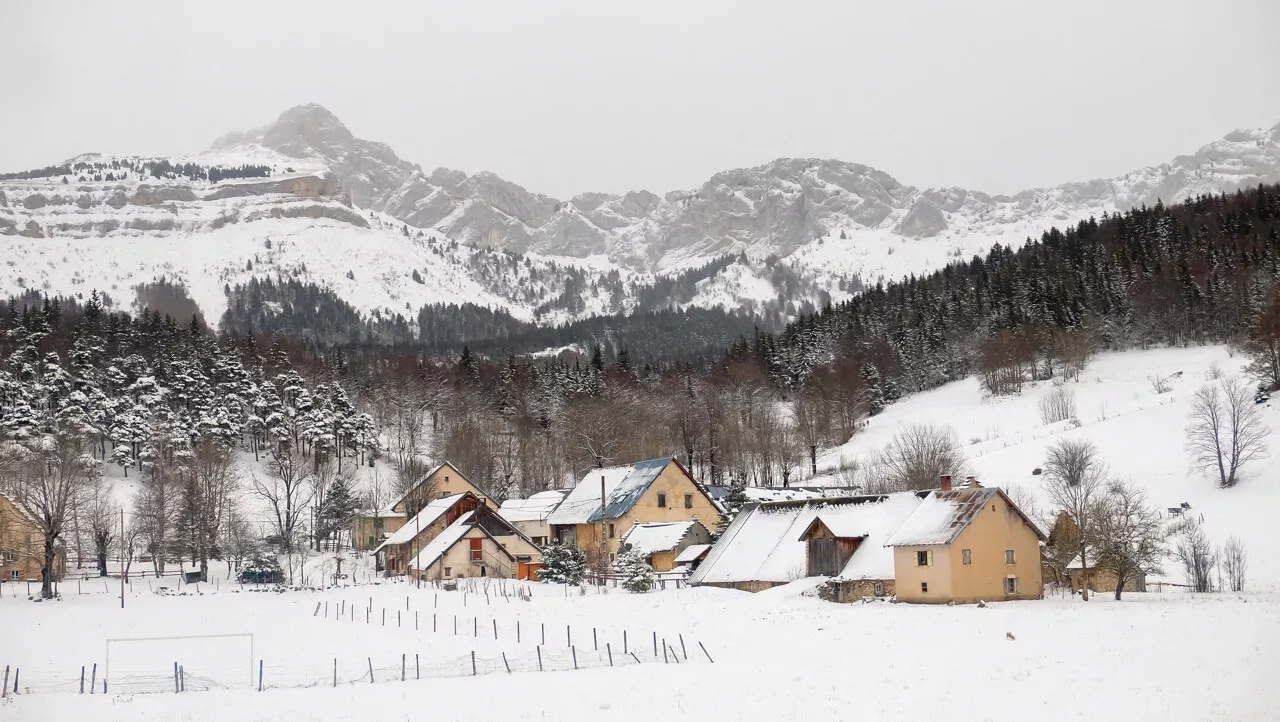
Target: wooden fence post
x,y
370,661
539,648
4,691
595,643
517,631
473,663
608,648
624,643
402,661
175,678
259,675
417,669
495,628
82,681
504,662
335,672
655,645
683,651
93,681
575,656
704,651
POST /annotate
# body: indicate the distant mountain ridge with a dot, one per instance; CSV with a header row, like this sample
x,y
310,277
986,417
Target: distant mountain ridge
x,y
773,209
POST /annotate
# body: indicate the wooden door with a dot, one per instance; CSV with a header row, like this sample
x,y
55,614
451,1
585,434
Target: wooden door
x,y
823,560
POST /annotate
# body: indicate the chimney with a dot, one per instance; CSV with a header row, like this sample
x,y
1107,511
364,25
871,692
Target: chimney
x,y
972,482
945,482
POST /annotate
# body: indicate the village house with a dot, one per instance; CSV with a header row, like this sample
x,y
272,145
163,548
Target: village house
x,y
661,542
772,543
967,545
530,515
479,543
22,545
372,528
945,545
399,551
607,502
692,556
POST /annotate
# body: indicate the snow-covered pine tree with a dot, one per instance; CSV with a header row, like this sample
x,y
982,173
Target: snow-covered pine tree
x,y
563,564
637,574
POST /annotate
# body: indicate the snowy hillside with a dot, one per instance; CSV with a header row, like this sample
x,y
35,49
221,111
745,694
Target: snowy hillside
x,y
1140,433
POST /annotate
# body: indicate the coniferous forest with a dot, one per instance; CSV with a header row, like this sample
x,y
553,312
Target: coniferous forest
x,y
158,396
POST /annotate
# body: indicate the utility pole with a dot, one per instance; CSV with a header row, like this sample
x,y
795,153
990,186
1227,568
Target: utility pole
x,y
122,558
603,540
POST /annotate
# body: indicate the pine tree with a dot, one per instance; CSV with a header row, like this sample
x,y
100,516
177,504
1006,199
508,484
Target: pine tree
x,y
563,564
637,574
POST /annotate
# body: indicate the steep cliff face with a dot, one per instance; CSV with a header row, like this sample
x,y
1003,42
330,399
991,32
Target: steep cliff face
x,y
775,209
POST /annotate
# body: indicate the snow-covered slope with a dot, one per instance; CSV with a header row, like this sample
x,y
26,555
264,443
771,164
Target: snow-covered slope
x,y
1141,434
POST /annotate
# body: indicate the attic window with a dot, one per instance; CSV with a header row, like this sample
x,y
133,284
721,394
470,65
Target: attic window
x,y
610,531
966,556
1008,556
662,501
924,558
688,501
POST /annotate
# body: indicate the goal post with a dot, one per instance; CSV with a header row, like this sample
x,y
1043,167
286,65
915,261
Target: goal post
x,y
143,664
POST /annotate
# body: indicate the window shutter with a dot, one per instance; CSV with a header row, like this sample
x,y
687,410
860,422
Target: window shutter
x,y
930,553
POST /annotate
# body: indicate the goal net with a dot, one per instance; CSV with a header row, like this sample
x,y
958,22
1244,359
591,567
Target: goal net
x,y
204,661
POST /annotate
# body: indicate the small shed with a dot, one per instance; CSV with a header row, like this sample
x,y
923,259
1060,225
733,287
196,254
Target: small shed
x,y
828,550
692,556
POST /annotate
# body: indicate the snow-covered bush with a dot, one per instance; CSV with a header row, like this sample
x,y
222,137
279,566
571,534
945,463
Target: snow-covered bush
x,y
1057,404
260,570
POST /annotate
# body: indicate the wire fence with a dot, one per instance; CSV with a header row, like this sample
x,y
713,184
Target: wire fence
x,y
338,671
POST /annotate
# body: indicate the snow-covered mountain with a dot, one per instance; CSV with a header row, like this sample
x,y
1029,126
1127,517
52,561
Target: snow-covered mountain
x,y
774,209
305,198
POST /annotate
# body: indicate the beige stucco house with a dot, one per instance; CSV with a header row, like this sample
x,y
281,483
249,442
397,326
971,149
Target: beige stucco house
x,y
479,543
22,545
530,515
608,502
662,541
372,528
967,545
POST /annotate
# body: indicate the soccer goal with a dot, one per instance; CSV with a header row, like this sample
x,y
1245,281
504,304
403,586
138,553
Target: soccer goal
x,y
195,662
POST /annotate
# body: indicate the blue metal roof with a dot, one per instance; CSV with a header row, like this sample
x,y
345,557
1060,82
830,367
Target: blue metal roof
x,y
631,488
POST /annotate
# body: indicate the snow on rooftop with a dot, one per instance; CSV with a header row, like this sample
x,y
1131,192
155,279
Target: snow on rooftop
x,y
443,541
583,500
423,519
653,537
942,516
623,487
691,553
764,542
536,508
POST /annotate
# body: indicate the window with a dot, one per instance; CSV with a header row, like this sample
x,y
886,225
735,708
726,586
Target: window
x,y
610,531
966,556
477,552
1008,556
924,587
688,501
924,558
662,501
1011,585
448,572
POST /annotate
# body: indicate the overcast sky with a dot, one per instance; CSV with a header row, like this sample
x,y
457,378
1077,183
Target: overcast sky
x,y
564,97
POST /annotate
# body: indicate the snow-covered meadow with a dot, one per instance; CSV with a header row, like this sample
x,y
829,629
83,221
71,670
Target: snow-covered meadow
x,y
778,655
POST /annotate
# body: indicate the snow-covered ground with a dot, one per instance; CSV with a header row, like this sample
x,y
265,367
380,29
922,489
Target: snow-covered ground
x,y
778,655
1140,433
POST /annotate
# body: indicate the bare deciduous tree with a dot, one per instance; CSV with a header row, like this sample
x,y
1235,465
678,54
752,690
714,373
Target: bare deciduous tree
x,y
102,517
1226,431
210,485
1235,562
1074,475
1128,536
51,475
286,487
1057,404
1196,555
919,454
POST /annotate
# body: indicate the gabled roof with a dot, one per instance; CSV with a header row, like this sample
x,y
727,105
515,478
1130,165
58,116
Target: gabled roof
x,y
536,508
431,473
453,534
692,553
764,541
623,487
424,519
944,515
21,510
654,537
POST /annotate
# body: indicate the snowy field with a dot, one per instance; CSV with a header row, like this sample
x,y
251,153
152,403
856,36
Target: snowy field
x,y
778,655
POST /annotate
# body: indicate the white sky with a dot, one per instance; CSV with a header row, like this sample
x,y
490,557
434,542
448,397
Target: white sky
x,y
564,97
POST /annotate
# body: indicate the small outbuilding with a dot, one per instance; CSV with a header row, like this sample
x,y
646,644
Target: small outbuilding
x,y
660,543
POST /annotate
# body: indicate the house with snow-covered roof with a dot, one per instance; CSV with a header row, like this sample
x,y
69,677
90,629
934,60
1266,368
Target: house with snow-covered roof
x,y
772,543
966,545
402,552
607,502
530,515
443,480
936,546
22,545
662,541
